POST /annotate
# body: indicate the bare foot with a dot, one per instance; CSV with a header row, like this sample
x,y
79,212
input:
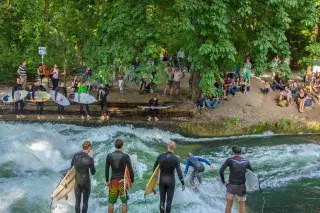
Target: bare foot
x,y
62,117
59,117
42,117
102,117
108,117
22,116
38,117
156,119
18,116
88,117
149,119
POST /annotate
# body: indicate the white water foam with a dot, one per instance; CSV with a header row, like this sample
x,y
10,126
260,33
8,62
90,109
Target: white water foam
x,y
40,152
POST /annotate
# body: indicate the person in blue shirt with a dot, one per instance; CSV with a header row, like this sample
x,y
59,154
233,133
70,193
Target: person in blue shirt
x,y
198,168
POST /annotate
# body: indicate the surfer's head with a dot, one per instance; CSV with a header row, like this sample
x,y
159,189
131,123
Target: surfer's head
x,y
62,84
18,81
171,146
236,150
118,144
38,83
86,146
189,154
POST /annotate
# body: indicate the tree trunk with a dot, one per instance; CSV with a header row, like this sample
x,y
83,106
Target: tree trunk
x,y
194,80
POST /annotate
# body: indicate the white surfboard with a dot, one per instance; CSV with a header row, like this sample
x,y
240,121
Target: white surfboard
x,y
158,107
61,99
252,181
84,98
18,95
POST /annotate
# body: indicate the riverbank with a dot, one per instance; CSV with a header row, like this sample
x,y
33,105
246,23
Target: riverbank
x,y
254,113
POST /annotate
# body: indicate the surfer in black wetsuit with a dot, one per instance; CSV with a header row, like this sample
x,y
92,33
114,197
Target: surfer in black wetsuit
x,y
153,102
17,87
168,163
38,87
236,188
62,89
82,162
118,162
102,98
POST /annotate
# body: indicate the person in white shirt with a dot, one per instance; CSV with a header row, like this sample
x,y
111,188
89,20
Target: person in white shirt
x,y
180,56
177,76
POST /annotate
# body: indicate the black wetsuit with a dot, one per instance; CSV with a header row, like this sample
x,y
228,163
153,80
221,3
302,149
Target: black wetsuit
x,y
20,103
118,162
153,103
39,105
238,167
82,162
63,91
102,98
168,163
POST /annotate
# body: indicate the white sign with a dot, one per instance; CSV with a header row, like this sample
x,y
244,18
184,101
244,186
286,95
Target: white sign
x,y
42,51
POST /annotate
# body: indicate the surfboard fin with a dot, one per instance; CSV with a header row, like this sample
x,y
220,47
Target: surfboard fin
x,y
66,197
154,191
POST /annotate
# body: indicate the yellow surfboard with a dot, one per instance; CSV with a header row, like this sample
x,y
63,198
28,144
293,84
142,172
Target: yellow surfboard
x,y
153,181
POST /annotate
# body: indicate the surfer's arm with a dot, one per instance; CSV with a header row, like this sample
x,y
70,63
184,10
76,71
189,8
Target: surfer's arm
x,y
92,167
222,169
249,167
179,171
156,163
130,169
107,169
187,167
204,160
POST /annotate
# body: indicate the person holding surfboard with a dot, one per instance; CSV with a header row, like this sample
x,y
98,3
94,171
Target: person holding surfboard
x,y
62,89
102,98
20,104
84,108
168,163
198,168
236,188
39,105
82,162
118,161
153,102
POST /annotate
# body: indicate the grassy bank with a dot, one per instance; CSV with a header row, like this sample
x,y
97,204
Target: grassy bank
x,y
190,128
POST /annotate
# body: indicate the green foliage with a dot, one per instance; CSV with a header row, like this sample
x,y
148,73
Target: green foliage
x,y
284,125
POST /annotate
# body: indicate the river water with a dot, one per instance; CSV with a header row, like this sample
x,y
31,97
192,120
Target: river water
x,y
34,158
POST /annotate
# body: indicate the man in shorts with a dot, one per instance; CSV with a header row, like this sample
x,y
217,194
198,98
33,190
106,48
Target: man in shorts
x,y
118,162
177,76
236,188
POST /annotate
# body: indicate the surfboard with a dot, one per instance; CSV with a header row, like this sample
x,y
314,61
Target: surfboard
x,y
66,184
18,95
39,96
61,99
159,107
252,181
83,98
127,179
152,181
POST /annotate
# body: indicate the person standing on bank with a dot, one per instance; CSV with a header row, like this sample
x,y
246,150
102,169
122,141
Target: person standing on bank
x,y
84,108
82,162
55,72
236,188
102,99
19,103
168,164
22,71
118,162
62,89
35,88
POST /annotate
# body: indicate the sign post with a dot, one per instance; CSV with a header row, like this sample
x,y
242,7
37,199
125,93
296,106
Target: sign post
x,y
42,51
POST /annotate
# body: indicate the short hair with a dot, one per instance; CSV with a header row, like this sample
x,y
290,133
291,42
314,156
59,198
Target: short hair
x,y
86,145
236,150
189,154
118,143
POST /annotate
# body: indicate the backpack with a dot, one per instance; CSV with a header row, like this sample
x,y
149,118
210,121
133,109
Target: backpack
x,y
283,103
